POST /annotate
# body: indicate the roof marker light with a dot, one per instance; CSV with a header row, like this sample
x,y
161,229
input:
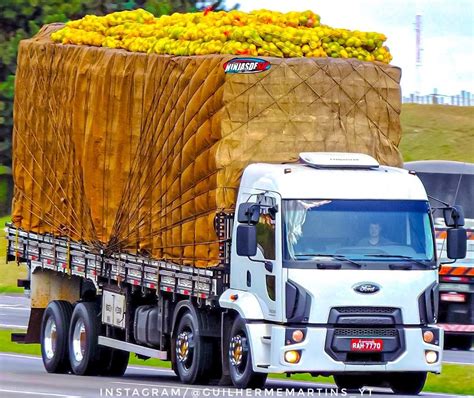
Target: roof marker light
x,y
338,160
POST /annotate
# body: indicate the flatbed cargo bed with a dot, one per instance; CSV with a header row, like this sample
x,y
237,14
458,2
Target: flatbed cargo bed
x,y
78,259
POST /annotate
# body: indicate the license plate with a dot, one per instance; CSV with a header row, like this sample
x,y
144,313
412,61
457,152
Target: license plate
x,y
371,345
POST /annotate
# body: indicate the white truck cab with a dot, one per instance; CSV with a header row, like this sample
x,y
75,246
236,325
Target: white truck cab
x,y
334,271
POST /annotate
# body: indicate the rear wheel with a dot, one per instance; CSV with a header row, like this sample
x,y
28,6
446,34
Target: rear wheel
x,y
84,351
54,336
116,362
410,383
240,358
193,352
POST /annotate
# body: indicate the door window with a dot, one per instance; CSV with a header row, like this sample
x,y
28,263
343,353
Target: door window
x,y
266,235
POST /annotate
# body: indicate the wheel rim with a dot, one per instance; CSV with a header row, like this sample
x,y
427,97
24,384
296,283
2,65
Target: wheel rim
x,y
79,341
185,348
238,352
50,338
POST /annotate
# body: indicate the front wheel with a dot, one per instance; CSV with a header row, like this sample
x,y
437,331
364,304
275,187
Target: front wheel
x,y
54,336
410,383
240,358
458,342
349,382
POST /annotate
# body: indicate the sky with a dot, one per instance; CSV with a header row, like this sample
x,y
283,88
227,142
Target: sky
x,y
447,39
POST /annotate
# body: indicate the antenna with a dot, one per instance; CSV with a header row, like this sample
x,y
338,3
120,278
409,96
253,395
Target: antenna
x,y
419,49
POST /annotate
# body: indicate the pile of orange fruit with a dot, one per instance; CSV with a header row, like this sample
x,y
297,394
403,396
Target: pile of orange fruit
x,y
257,33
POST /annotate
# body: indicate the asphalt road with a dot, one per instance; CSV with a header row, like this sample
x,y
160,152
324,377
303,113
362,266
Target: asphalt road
x,y
14,311
24,376
14,314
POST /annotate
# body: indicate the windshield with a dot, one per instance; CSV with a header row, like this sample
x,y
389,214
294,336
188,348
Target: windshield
x,y
357,229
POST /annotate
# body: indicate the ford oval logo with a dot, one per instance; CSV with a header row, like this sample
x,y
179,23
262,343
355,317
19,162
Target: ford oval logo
x,y
366,288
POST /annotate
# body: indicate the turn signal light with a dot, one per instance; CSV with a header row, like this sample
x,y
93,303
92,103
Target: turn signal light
x,y
428,336
292,356
297,336
431,356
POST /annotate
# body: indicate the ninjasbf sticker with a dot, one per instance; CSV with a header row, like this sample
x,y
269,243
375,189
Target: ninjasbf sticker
x,y
246,65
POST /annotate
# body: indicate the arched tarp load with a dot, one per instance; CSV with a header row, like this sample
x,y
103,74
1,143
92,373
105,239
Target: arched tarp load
x,y
138,152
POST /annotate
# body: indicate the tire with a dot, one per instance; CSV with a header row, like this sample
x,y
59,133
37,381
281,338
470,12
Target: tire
x,y
458,342
239,358
54,336
464,343
349,382
116,362
410,383
193,354
84,352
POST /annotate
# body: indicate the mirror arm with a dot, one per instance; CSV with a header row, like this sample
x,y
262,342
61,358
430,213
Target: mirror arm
x,y
439,201
268,264
451,262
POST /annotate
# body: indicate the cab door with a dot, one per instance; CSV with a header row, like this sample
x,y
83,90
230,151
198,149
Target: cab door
x,y
262,274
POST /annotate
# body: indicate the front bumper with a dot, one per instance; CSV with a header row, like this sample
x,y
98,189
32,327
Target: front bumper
x,y
267,344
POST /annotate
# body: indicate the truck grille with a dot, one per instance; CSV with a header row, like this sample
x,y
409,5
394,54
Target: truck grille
x,y
366,332
365,310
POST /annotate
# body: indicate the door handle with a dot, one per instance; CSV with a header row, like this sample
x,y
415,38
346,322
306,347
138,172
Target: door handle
x,y
269,266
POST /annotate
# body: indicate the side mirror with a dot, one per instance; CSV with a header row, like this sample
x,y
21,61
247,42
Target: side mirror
x,y
273,212
456,244
248,213
454,216
247,240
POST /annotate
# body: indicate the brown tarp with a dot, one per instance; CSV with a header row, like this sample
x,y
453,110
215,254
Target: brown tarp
x,y
137,152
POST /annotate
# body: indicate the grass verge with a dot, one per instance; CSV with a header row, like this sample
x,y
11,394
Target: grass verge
x,y
10,272
455,379
437,132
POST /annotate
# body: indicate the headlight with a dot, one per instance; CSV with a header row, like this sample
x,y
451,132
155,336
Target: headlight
x,y
431,356
292,356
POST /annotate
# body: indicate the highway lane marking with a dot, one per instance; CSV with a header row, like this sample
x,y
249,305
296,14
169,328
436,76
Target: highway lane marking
x,y
14,307
458,363
440,394
145,367
5,354
48,394
320,385
160,385
7,326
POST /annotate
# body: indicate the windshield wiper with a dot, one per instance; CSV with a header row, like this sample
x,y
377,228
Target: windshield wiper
x,y
335,256
397,266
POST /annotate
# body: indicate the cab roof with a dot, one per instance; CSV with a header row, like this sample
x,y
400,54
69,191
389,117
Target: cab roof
x,y
302,181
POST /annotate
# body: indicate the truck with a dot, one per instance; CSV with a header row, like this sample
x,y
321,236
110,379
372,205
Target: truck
x,y
332,270
235,224
452,182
